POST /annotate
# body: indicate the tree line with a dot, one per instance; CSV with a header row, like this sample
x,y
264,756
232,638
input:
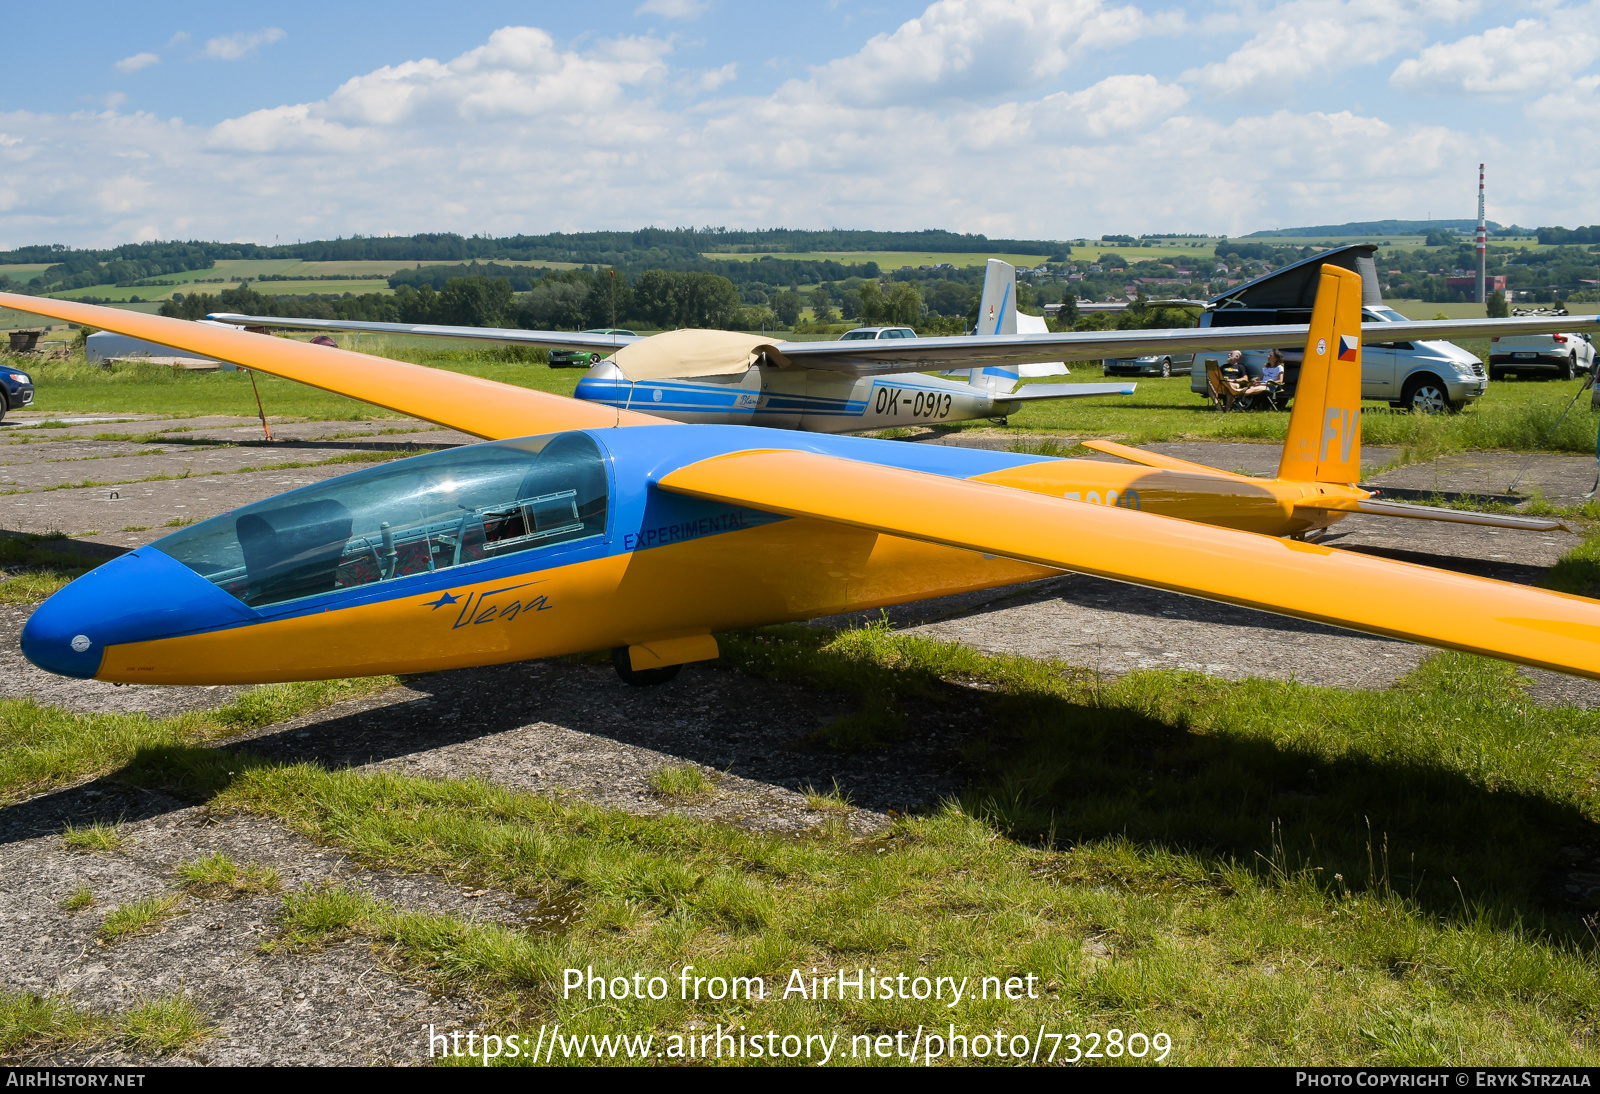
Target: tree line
x,y
658,299
562,300
641,248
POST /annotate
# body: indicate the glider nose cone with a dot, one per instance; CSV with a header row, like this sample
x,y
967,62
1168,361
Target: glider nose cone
x,y
58,641
139,596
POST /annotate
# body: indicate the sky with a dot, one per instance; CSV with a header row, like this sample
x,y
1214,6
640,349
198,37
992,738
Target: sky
x,y
1051,119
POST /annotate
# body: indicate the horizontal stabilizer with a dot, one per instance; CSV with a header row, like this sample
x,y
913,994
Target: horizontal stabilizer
x,y
1376,508
1063,391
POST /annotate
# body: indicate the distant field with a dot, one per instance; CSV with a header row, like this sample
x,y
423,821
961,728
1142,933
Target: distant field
x,y
1334,241
386,267
1092,252
285,288
888,260
25,271
1421,309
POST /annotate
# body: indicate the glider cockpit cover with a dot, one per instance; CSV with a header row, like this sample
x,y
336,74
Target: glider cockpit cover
x,y
685,354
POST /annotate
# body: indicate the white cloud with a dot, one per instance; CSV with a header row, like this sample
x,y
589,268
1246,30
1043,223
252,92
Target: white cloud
x,y
1576,106
177,39
236,46
674,9
136,62
973,48
1117,104
526,134
1303,40
716,77
1502,61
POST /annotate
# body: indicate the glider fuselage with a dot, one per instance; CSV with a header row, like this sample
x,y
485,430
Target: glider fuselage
x,y
812,400
502,552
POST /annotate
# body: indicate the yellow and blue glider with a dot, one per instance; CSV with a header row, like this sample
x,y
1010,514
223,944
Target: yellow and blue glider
x,y
650,539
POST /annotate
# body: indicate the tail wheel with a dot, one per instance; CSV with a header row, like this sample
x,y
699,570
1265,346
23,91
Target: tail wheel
x,y
639,678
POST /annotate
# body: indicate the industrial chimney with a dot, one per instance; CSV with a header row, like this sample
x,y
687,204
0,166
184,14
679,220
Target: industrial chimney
x,y
1483,241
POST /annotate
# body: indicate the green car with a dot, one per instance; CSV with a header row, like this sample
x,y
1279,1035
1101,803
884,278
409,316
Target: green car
x,y
583,358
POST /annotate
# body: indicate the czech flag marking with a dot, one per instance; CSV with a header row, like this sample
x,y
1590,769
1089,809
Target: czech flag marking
x,y
1349,347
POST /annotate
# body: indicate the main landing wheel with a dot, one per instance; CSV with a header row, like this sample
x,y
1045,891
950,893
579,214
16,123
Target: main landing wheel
x,y
1426,395
640,678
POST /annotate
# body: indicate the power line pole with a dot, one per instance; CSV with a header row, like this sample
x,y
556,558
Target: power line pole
x,y
1483,241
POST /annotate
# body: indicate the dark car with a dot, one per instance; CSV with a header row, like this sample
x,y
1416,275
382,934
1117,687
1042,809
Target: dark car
x,y
583,358
18,388
1152,364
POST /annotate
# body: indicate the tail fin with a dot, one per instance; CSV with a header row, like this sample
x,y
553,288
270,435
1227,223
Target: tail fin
x,y
1324,442
997,309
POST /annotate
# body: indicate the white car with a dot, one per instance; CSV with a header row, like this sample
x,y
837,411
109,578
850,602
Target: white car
x,y
874,333
1563,355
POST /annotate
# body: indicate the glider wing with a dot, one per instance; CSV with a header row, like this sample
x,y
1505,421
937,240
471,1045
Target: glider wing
x,y
889,355
553,339
1415,603
483,408
898,355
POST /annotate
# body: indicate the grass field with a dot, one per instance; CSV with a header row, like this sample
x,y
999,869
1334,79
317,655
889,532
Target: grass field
x,y
233,271
1263,872
1518,415
78,388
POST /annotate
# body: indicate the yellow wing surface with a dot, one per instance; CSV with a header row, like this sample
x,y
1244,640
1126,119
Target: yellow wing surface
x,y
483,408
1416,603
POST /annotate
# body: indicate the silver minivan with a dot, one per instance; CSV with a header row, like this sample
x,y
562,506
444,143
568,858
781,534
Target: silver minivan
x,y
1431,377
1427,376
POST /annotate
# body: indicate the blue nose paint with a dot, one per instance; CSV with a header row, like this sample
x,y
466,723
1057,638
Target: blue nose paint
x,y
140,596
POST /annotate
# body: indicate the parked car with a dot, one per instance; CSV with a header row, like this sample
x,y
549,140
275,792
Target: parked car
x,y
583,358
876,332
1151,364
1563,355
18,389
1431,377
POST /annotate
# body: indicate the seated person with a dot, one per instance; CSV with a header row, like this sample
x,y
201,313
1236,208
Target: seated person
x,y
1272,373
1225,390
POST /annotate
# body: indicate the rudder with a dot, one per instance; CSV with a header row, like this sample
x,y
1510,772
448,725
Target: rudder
x,y
997,309
1324,443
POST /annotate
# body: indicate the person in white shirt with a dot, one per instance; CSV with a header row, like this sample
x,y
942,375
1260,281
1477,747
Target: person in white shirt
x,y
1272,372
